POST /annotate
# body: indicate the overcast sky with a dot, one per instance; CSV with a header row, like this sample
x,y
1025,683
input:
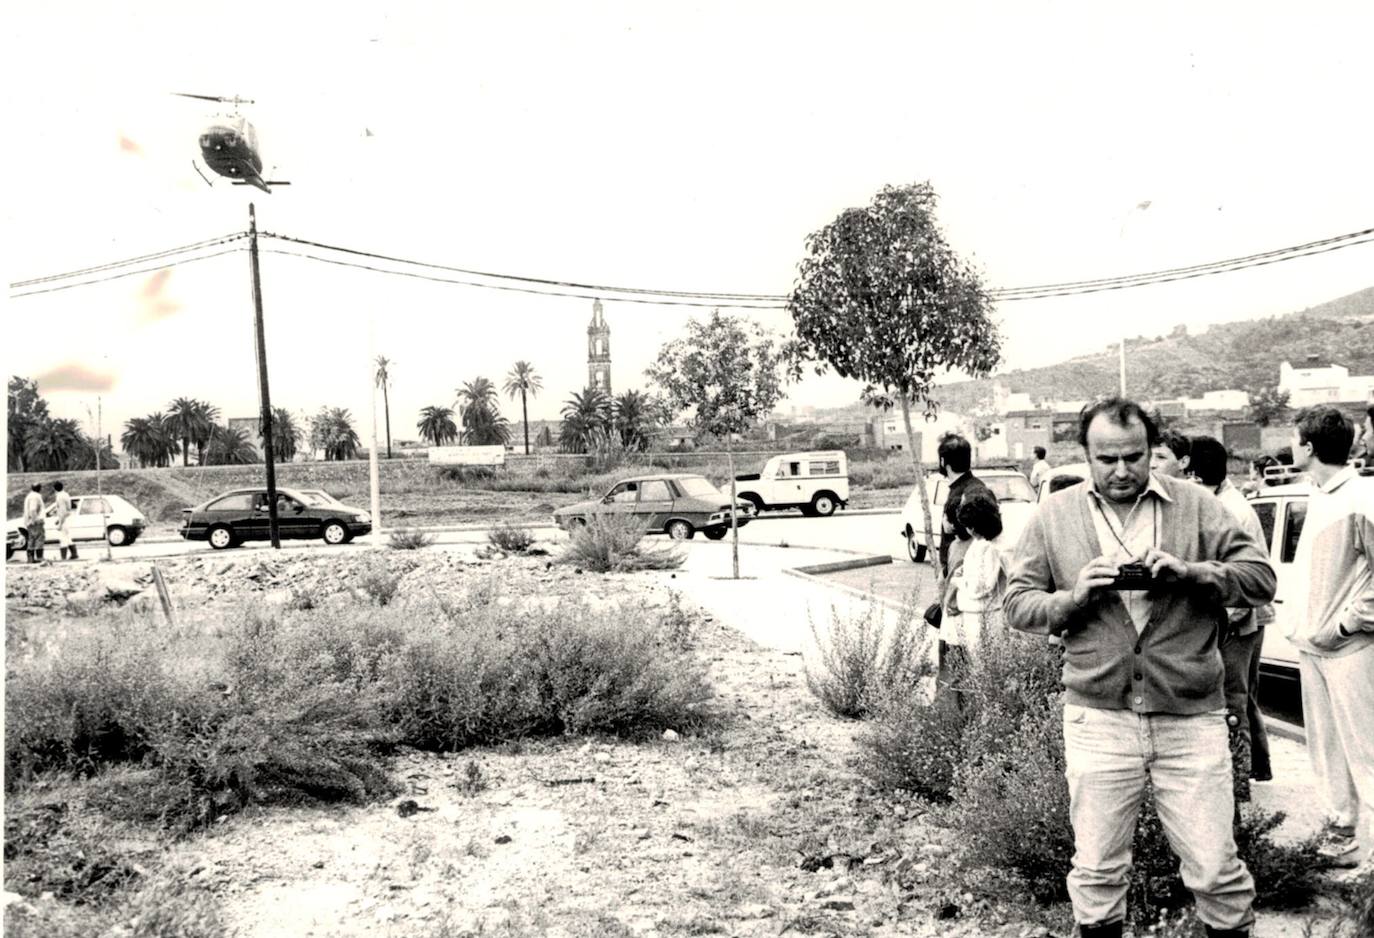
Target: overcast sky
x,y
687,146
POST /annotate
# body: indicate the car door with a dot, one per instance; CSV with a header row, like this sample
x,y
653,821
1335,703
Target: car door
x,y
87,521
255,526
234,510
655,503
1283,520
294,519
620,501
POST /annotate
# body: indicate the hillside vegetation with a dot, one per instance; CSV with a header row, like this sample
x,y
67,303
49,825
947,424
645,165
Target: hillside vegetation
x,y
1228,355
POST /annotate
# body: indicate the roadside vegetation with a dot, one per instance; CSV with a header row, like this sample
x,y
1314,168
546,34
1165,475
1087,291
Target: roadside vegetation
x,y
617,544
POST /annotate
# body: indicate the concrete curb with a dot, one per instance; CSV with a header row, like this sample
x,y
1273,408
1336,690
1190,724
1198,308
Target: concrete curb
x,y
803,573
876,560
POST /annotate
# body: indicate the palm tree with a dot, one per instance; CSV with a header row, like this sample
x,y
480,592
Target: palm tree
x,y
383,378
436,425
183,420
146,439
51,444
285,435
332,431
582,414
206,415
479,407
634,418
229,446
523,380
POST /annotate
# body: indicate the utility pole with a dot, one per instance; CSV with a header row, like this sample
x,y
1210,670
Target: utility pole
x,y
99,489
265,419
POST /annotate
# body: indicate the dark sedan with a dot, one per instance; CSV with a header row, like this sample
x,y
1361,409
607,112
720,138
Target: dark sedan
x,y
676,504
230,519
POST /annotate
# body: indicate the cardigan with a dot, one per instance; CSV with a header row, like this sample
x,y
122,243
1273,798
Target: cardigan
x,y
1173,665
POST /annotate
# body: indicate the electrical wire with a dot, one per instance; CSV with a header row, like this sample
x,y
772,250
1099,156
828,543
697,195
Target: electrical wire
x,y
566,284
130,273
143,258
512,289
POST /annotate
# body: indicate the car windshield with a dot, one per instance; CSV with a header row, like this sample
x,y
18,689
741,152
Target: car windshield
x,y
316,499
1009,488
697,487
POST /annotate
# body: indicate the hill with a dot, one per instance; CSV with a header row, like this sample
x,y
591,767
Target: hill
x,y
1228,355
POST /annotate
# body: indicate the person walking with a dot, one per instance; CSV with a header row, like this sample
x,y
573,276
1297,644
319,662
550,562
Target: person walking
x,y
1334,630
1169,456
1144,704
33,523
1039,468
1243,637
61,514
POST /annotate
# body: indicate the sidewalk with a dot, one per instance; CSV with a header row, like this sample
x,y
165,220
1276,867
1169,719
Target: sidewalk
x,y
775,609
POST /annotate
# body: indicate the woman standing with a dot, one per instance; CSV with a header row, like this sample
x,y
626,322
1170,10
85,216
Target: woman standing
x,y
982,579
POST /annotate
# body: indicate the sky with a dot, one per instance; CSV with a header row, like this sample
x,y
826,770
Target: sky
x,y
690,146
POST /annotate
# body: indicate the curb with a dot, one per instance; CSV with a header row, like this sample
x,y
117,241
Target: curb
x,y
875,560
805,573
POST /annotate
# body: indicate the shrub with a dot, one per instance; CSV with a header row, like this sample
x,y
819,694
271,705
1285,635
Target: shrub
x,y
410,539
614,543
863,663
380,585
510,539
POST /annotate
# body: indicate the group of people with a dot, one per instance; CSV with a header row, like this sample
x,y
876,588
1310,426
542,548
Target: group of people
x,y
1154,579
35,522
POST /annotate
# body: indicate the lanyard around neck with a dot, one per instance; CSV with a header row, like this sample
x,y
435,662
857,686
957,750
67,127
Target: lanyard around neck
x,y
1154,522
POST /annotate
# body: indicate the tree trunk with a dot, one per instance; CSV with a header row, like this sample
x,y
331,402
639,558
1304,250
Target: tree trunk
x,y
734,526
185,452
386,407
525,414
931,547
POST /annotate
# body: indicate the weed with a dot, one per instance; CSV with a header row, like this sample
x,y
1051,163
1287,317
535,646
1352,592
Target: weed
x,y
678,626
864,662
301,600
380,586
474,781
409,539
509,538
614,543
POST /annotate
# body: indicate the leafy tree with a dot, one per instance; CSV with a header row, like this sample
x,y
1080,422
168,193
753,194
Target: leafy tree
x,y
522,379
583,414
24,408
332,430
882,298
383,378
727,373
230,446
479,407
192,421
436,425
1267,405
634,416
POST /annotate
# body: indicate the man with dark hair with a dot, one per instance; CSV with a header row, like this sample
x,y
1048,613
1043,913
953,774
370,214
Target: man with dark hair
x,y
1135,571
1039,469
1364,443
33,523
63,501
1244,637
956,459
1169,457
1333,629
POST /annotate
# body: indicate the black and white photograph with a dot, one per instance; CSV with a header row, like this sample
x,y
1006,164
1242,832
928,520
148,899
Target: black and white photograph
x,y
646,470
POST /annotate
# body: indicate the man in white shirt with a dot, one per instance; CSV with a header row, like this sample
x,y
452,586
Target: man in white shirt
x,y
33,523
61,514
1039,469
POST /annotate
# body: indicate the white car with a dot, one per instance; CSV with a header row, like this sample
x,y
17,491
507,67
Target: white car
x,y
1071,474
93,518
1015,498
816,483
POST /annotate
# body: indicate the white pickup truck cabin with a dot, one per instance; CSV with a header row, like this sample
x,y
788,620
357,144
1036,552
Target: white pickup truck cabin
x,y
817,483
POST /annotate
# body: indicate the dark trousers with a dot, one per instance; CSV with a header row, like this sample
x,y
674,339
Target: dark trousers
x,y
1240,655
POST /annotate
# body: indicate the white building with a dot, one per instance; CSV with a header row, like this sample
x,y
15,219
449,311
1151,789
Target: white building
x,y
890,433
1328,384
1219,400
1004,401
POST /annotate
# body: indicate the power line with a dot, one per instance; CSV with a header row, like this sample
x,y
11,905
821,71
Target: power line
x,y
566,284
142,258
130,273
510,289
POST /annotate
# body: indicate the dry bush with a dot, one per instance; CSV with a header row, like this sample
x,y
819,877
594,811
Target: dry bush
x,y
615,544
409,539
864,663
510,539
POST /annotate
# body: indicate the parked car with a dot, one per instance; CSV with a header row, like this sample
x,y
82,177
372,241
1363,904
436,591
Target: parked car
x,y
229,519
815,482
1015,498
676,504
1282,509
93,518
1071,474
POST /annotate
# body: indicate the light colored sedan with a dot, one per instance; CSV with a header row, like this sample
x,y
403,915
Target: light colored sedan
x,y
93,518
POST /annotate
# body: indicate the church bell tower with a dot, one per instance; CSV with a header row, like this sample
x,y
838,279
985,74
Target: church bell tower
x,y
599,351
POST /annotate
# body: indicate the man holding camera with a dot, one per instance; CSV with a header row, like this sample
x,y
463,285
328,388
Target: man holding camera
x,y
1134,573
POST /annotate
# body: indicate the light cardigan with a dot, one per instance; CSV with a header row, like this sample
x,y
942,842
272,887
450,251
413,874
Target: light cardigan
x,y
1336,617
1174,665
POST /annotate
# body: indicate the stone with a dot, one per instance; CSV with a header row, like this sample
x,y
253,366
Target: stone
x,y
671,736
838,904
503,839
935,850
640,833
602,758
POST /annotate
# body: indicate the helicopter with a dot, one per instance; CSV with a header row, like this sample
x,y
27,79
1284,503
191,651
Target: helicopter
x,y
230,147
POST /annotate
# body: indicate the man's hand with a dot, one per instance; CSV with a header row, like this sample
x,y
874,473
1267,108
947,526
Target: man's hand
x,y
1167,567
1098,573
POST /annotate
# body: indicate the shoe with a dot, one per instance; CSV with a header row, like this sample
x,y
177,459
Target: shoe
x,y
1340,851
1263,775
1357,874
1104,930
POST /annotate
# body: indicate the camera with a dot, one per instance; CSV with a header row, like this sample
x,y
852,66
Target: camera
x,y
1132,576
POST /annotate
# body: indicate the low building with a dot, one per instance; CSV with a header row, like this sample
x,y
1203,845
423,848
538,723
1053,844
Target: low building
x,y
1323,384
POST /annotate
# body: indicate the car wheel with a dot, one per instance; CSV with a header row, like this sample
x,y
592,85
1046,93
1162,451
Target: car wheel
x,y
754,500
117,536
335,533
9,551
222,536
823,505
914,548
715,534
23,540
680,530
